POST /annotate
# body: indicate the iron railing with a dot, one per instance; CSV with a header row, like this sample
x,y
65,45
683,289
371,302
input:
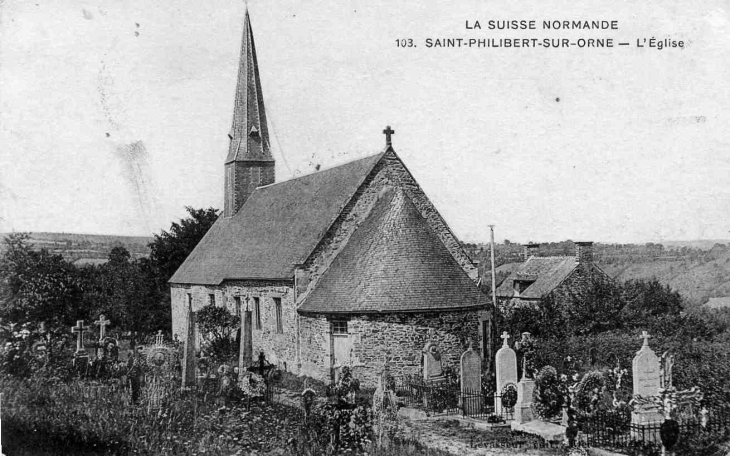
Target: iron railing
x,y
449,399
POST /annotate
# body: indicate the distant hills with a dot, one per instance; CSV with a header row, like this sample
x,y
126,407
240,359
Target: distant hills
x,y
697,269
87,248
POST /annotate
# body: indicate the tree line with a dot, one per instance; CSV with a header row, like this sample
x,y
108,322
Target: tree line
x,y
38,286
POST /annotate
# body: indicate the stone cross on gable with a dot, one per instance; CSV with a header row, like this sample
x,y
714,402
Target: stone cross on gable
x,y
79,328
645,335
504,337
388,133
102,323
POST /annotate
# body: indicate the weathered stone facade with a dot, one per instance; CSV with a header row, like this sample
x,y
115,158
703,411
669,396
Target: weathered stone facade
x,y
279,347
241,179
398,337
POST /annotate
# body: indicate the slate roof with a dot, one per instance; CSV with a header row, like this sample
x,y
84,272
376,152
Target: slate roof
x,y
393,262
545,272
249,132
278,226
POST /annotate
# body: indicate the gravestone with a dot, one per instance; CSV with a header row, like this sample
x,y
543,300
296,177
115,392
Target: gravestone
x,y
647,381
81,356
471,381
432,367
188,366
523,408
505,369
102,323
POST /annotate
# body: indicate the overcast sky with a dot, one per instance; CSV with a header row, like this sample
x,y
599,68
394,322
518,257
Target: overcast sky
x,y
114,114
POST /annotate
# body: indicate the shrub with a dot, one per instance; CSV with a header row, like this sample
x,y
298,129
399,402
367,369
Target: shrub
x,y
217,327
550,393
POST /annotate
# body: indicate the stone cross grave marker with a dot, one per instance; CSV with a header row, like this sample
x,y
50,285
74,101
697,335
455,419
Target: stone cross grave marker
x,y
79,329
505,370
432,368
647,381
102,323
471,380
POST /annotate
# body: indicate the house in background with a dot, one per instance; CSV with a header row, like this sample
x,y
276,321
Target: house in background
x,y
537,276
721,302
343,267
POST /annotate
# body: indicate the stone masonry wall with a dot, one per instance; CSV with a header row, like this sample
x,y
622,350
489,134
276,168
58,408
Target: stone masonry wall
x,y
400,337
316,346
279,348
577,284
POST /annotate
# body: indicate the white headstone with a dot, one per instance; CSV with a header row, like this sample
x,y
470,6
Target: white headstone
x,y
505,365
645,369
647,381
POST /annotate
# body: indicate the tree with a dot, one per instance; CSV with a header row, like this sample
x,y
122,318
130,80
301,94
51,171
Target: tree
x,y
38,286
170,248
125,293
649,299
217,327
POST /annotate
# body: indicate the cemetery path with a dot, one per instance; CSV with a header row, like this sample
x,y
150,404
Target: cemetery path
x,y
451,436
444,434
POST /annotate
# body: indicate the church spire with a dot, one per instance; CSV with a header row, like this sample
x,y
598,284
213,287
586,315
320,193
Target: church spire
x,y
249,163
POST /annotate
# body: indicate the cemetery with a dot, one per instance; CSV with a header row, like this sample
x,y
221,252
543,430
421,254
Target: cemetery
x,y
159,396
653,382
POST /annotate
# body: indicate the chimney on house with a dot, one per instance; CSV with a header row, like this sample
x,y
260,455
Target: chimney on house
x,y
529,250
584,252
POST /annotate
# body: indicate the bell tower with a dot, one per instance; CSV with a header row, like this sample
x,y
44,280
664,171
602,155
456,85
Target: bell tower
x,y
249,163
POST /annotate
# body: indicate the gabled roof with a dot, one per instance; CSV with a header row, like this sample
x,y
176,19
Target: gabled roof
x,y
545,273
249,132
393,262
277,227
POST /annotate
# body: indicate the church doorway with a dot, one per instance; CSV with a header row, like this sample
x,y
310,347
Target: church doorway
x,y
341,346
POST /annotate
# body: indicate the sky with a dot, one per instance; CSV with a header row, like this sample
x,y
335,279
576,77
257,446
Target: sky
x,y
114,115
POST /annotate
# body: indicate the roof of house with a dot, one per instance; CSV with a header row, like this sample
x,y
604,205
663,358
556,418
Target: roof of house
x,y
545,273
394,262
276,228
721,302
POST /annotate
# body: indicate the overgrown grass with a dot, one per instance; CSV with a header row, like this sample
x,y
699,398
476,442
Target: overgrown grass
x,y
41,417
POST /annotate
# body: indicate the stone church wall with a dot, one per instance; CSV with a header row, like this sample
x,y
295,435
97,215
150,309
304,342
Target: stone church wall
x,y
400,337
279,348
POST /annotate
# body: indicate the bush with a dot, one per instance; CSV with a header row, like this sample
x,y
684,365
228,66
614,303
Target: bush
x,y
550,393
217,326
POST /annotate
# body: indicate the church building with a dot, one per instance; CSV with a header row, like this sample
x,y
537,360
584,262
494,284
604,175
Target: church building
x,y
346,266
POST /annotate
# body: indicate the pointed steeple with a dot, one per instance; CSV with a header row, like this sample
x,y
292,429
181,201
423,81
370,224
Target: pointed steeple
x,y
249,133
249,163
